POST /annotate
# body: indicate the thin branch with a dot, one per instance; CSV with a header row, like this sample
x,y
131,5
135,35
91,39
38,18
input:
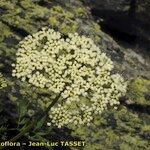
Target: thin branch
x,y
33,122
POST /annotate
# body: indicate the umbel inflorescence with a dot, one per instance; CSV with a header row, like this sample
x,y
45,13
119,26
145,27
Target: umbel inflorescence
x,y
72,67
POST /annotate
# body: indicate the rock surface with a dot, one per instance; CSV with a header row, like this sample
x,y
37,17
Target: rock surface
x,y
126,128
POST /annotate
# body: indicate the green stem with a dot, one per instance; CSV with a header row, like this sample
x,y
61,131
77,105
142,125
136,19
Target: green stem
x,y
33,122
53,103
30,126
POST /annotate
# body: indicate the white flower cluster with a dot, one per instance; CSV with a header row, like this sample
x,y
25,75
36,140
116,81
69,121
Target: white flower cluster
x,y
74,67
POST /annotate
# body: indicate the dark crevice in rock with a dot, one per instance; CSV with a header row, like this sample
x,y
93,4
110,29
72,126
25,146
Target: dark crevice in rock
x,y
10,111
6,68
118,24
18,3
47,4
140,108
16,30
22,14
118,35
3,10
124,29
147,96
111,121
136,107
40,19
146,136
10,41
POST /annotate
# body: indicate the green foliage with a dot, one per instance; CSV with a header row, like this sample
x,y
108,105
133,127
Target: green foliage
x,y
137,89
80,12
3,132
5,31
53,21
64,19
66,28
3,82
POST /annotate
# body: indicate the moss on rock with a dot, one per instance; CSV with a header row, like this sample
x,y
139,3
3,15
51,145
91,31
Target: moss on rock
x,y
137,90
3,82
121,129
5,31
